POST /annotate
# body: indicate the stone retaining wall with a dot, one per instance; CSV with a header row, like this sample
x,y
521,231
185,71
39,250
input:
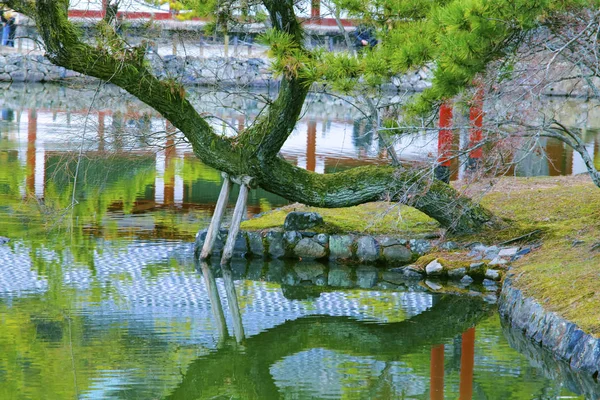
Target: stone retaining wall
x,y
563,338
225,71
317,246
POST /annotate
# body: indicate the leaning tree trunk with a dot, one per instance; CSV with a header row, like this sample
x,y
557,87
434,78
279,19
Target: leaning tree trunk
x,y
254,152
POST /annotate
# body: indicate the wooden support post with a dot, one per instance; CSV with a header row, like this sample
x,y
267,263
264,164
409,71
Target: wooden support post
x,y
215,222
226,45
236,220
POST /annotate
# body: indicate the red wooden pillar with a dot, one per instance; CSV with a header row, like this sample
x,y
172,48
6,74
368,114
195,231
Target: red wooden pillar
x,y
476,131
315,9
104,7
445,137
467,363
311,146
436,383
31,139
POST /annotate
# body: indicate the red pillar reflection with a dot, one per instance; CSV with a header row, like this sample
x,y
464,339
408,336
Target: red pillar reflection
x,y
101,127
467,363
241,123
169,157
476,131
311,146
315,8
31,138
445,137
436,383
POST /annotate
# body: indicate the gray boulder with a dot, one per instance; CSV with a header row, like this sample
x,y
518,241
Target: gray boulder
x,y
308,248
255,241
298,221
397,254
340,246
275,243
367,249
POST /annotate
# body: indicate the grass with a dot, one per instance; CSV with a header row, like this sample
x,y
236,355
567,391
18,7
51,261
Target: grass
x,y
370,218
564,212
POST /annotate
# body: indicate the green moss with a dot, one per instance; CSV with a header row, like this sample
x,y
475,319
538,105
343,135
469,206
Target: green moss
x,y
563,274
370,218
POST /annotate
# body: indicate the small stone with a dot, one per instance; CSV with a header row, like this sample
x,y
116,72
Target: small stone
x,y
449,246
308,248
290,238
434,268
367,249
492,252
297,221
477,270
492,274
575,243
508,252
4,240
498,261
386,241
487,282
466,280
420,246
433,285
457,273
323,239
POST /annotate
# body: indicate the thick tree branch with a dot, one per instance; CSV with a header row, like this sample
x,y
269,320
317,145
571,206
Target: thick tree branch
x,y
126,69
372,183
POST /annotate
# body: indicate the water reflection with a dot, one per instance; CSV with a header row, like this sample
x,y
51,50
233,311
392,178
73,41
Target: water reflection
x,y
141,319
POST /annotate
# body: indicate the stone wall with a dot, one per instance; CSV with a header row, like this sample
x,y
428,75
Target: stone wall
x,y
223,71
307,245
563,338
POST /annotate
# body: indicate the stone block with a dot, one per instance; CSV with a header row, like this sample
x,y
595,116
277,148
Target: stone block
x,y
367,249
255,243
308,248
340,246
275,243
397,254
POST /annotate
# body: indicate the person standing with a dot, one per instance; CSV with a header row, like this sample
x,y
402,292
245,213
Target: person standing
x,y
9,19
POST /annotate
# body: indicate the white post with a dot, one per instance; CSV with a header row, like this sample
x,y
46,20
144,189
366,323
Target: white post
x,y
215,300
215,222
238,213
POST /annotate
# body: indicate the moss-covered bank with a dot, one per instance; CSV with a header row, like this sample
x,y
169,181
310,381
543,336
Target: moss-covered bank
x,y
561,214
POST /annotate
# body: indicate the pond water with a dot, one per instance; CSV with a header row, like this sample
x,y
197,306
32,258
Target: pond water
x,y
100,296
